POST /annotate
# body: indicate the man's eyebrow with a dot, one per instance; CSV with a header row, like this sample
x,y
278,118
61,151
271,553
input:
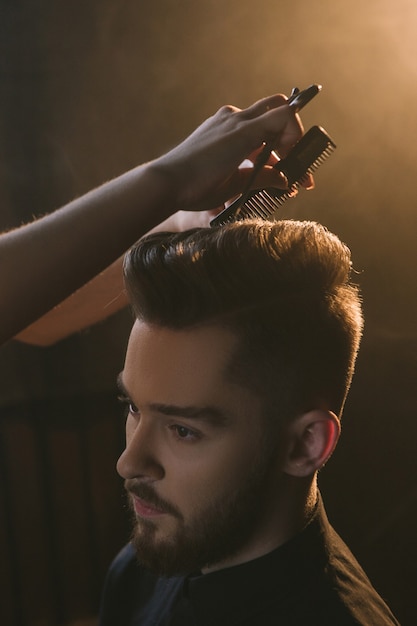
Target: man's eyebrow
x,y
209,413
120,385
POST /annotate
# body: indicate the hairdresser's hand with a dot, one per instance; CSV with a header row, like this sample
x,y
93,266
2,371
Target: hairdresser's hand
x,y
184,220
203,171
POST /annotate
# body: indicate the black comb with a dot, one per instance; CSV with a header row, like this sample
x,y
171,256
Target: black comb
x,y
304,158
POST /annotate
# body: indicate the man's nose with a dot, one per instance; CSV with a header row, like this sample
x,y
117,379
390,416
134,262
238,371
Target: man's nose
x,y
140,457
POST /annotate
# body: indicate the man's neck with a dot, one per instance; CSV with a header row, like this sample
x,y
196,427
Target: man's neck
x,y
286,517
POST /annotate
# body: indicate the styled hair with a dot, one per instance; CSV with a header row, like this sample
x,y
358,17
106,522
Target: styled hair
x,y
283,287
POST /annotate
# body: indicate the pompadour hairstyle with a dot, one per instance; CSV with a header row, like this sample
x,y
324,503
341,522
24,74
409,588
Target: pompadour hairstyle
x,y
283,287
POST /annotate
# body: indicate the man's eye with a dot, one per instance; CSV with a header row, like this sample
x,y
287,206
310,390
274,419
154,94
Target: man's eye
x,y
184,434
131,408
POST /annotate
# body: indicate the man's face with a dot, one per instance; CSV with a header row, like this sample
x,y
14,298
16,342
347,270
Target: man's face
x,y
198,472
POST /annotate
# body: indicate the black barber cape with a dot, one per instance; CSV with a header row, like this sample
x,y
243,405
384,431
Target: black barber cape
x,y
312,580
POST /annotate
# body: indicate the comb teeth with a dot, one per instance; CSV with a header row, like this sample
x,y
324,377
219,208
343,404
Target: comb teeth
x,y
306,156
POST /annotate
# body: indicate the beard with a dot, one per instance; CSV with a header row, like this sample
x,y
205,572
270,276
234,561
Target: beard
x,y
216,532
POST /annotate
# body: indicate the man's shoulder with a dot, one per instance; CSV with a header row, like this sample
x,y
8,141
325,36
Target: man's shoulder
x,y
314,580
134,595
124,577
340,591
124,563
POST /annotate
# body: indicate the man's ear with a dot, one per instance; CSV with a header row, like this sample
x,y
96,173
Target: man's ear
x,y
312,437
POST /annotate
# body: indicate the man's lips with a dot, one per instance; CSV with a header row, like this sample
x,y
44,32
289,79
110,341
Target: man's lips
x,y
145,502
143,508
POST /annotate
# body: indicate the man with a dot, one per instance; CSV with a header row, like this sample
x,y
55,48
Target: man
x,y
235,378
44,262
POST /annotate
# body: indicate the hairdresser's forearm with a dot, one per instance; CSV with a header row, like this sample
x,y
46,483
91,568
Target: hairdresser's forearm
x,y
94,302
102,296
44,262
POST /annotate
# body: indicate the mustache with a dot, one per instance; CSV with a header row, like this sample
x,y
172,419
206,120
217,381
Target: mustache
x,y
148,494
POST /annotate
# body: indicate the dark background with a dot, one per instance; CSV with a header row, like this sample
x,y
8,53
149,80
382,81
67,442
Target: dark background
x,y
90,88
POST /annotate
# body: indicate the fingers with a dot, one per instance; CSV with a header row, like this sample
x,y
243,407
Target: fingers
x,y
308,182
184,220
266,177
263,106
234,185
292,129
280,122
272,160
286,130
